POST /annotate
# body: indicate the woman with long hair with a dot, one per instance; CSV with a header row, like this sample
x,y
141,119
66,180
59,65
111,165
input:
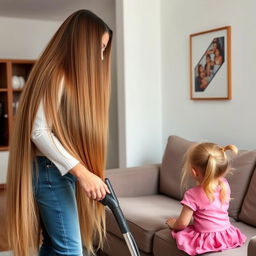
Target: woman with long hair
x,y
57,153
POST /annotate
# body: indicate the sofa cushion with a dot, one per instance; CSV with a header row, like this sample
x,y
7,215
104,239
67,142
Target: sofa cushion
x,y
173,159
164,244
145,215
248,211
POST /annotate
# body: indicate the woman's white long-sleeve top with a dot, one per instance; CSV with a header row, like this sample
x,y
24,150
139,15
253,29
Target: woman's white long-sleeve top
x,y
48,144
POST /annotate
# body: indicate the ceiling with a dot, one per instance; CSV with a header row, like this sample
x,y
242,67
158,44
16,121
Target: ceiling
x,y
53,10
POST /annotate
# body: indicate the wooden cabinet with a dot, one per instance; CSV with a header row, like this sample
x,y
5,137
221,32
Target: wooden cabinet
x,y
13,74
3,239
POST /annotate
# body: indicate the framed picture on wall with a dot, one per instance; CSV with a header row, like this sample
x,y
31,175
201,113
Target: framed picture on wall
x,y
210,64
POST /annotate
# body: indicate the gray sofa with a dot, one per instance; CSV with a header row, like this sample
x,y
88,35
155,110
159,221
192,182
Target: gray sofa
x,y
150,194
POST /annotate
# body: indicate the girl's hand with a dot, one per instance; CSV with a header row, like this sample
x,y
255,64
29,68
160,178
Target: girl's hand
x,y
93,186
170,222
182,221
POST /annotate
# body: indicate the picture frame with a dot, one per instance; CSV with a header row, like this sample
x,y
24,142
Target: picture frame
x,y
210,64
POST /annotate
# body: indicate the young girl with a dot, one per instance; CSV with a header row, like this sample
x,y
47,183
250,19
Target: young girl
x,y
207,202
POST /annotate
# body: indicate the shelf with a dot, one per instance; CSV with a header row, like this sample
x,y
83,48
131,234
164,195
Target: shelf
x,y
15,102
21,69
4,148
4,132
10,92
3,75
3,186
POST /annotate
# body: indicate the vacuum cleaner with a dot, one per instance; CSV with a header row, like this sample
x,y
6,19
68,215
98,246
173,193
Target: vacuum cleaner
x,y
111,201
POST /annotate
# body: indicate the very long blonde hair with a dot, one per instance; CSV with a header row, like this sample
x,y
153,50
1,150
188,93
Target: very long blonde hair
x,y
80,123
212,162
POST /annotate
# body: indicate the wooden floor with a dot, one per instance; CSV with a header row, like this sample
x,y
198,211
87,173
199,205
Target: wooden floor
x,y
5,254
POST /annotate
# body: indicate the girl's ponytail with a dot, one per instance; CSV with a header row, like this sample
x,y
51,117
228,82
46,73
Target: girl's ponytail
x,y
209,175
223,187
223,191
231,147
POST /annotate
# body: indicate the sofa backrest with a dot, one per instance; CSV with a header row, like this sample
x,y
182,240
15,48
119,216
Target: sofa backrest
x,y
170,172
243,165
172,162
248,210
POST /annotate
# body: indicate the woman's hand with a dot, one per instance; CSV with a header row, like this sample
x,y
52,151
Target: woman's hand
x,y
170,222
93,186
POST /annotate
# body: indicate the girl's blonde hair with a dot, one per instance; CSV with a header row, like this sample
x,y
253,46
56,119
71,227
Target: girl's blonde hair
x,y
211,160
80,123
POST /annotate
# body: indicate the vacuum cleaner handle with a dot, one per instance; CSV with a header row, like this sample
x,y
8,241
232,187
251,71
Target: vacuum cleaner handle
x,y
112,202
112,192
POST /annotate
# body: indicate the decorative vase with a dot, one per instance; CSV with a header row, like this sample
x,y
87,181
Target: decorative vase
x,y
15,82
22,81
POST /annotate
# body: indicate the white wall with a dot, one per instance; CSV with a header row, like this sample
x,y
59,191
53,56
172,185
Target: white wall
x,y
139,96
219,121
22,39
26,38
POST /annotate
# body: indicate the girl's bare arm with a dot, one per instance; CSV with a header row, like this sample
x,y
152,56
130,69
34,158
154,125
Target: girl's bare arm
x,y
182,221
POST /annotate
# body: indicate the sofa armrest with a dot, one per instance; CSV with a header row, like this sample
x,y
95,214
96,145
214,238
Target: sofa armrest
x,y
135,181
252,247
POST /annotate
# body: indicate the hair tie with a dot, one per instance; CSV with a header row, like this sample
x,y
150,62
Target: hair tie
x,y
210,155
222,148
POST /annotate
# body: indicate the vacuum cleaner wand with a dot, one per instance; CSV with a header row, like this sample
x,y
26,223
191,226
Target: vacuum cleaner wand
x,y
112,202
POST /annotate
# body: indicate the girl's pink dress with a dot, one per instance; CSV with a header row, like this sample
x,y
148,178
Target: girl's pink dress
x,y
211,229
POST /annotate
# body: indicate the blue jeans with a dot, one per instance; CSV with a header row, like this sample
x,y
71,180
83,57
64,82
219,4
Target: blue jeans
x,y
55,197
